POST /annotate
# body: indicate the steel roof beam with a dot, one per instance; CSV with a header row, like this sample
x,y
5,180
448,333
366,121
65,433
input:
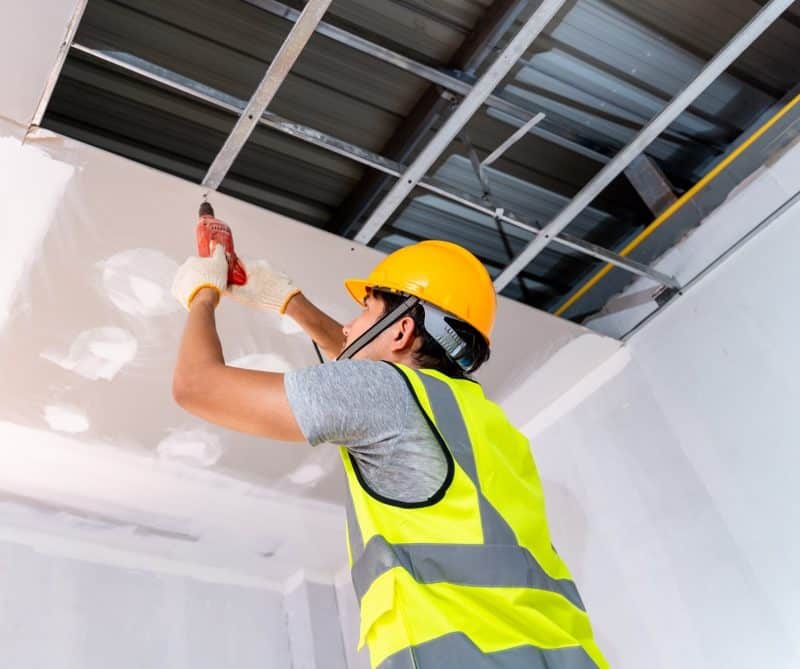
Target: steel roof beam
x,y
609,172
459,118
197,91
652,185
275,75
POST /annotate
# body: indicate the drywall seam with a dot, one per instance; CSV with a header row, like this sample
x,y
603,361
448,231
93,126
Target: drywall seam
x,y
342,577
341,614
294,581
99,553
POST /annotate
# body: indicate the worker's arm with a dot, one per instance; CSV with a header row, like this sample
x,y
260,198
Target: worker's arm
x,y
270,289
240,399
317,324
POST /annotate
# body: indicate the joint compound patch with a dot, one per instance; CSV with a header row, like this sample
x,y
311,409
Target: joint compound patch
x,y
32,185
138,282
99,353
66,418
191,447
307,474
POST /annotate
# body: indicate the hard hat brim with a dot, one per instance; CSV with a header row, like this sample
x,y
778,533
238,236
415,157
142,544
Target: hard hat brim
x,y
357,289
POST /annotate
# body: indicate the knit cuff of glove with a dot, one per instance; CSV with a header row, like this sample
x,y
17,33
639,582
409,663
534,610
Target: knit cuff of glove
x,y
197,289
282,308
198,273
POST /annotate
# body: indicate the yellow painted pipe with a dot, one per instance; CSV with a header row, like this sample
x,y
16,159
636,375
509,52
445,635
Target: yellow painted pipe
x,y
675,206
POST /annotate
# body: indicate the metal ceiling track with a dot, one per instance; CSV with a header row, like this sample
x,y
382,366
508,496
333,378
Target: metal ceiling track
x,y
744,38
197,91
275,75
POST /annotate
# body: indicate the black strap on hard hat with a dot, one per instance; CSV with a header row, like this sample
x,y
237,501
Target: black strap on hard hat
x,y
380,325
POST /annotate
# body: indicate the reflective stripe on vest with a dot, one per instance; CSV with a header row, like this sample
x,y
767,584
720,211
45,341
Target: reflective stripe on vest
x,y
490,566
456,650
464,555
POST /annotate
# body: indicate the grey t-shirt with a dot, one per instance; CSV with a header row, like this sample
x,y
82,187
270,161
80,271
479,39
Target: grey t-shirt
x,y
368,408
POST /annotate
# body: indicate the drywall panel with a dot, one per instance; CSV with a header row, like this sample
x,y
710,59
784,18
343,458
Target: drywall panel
x,y
734,401
31,34
88,335
72,614
670,486
660,567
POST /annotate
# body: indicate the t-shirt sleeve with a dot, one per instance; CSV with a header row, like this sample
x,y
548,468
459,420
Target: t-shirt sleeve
x,y
351,403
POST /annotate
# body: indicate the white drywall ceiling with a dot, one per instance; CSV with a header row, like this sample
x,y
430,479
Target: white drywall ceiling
x,y
31,34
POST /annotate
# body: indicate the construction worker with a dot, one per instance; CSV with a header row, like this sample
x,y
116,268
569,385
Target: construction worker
x,y
447,537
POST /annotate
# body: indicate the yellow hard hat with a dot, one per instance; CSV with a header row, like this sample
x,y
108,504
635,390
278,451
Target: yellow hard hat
x,y
441,273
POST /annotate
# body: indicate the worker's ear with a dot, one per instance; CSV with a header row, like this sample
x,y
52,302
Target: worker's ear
x,y
405,332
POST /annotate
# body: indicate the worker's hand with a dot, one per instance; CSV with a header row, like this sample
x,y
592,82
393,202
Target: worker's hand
x,y
266,288
197,273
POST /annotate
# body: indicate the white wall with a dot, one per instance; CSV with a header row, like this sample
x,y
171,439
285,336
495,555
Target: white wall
x,y
79,605
315,636
350,622
64,613
671,486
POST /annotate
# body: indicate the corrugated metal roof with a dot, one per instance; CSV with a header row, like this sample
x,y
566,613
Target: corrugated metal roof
x,y
703,28
602,69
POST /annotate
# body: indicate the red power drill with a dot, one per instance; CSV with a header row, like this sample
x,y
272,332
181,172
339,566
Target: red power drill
x,y
208,230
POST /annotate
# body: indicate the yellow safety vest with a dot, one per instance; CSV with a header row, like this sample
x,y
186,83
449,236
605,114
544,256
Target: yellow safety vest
x,y
468,578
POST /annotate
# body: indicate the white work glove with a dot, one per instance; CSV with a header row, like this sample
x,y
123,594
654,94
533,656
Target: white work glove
x,y
266,288
197,273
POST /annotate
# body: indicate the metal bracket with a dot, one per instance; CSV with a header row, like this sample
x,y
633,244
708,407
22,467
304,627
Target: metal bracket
x,y
477,166
664,294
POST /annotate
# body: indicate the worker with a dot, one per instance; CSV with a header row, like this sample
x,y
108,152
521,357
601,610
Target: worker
x,y
446,531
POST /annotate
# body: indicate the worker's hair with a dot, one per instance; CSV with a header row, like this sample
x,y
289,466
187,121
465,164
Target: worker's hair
x,y
431,355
